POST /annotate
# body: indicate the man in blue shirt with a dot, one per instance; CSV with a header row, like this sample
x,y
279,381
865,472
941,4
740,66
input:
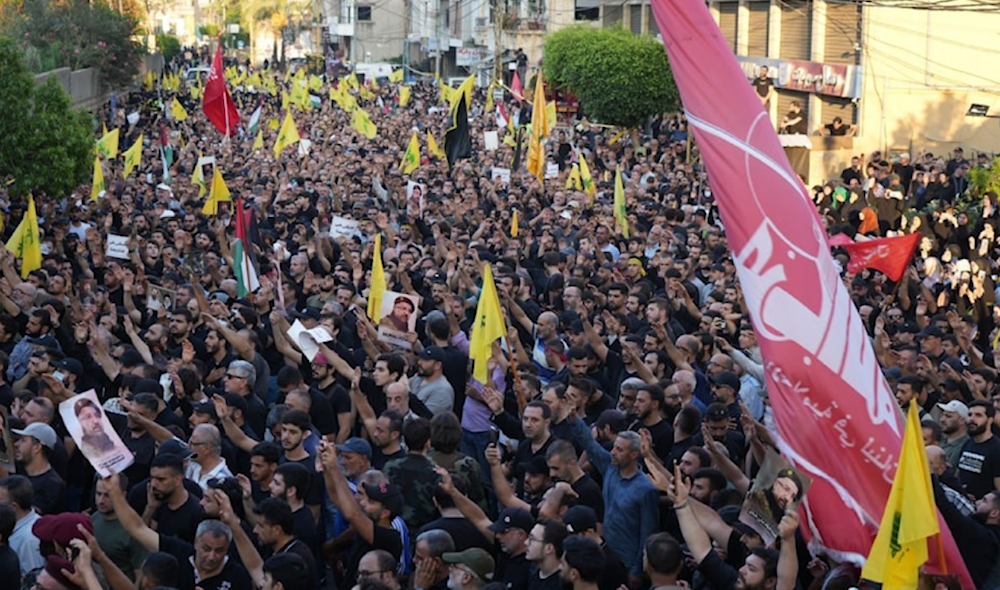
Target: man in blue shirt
x,y
630,499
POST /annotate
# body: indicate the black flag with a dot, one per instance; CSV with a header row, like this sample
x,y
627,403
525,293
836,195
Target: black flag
x,y
457,142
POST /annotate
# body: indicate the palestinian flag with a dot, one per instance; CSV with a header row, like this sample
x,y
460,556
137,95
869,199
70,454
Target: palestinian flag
x,y
254,123
246,274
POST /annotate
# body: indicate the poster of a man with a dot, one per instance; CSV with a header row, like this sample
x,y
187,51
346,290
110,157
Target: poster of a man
x,y
777,489
397,318
415,198
93,434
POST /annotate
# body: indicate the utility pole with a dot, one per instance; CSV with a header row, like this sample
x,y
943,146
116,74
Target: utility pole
x,y
437,36
497,42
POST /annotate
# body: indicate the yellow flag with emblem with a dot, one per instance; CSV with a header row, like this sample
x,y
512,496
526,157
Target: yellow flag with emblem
x,y
107,146
411,158
573,180
177,109
446,91
25,242
487,327
396,76
198,178
621,215
362,123
513,224
352,81
910,516
585,178
218,194
133,157
288,134
258,142
315,83
404,95
432,146
97,186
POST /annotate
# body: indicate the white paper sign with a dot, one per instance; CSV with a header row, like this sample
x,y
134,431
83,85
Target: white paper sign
x,y
501,174
117,247
132,118
306,339
304,145
492,140
551,170
93,434
344,227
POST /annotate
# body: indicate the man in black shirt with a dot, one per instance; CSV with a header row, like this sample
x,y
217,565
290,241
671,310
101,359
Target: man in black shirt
x,y
10,566
649,401
563,466
763,86
275,525
204,563
32,449
370,513
581,520
545,551
175,511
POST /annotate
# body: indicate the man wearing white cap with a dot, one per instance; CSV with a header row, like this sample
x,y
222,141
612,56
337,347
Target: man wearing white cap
x,y
32,448
955,428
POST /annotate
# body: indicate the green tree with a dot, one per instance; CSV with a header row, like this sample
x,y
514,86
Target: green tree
x,y
169,46
45,144
619,78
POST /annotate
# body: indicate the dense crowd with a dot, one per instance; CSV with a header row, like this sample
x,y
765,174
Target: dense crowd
x,y
624,418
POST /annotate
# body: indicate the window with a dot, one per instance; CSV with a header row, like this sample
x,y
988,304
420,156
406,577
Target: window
x,y
364,13
588,10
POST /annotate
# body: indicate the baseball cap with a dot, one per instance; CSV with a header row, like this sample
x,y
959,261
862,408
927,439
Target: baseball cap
x,y
513,518
357,446
308,313
174,447
580,519
43,433
61,528
957,407
727,379
476,559
235,400
389,495
931,330
434,353
70,364
205,407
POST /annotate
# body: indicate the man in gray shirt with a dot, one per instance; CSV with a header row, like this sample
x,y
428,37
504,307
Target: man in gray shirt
x,y
430,384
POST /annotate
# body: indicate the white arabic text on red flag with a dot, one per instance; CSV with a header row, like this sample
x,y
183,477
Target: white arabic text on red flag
x,y
837,418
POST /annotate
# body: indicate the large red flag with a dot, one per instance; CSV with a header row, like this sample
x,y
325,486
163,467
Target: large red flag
x,y
837,418
217,103
889,255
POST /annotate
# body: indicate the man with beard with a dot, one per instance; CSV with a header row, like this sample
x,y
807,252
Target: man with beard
x,y
31,450
763,569
977,535
649,401
218,357
979,464
181,325
123,550
469,570
325,384
241,379
582,563
95,442
174,511
955,426
430,385
564,466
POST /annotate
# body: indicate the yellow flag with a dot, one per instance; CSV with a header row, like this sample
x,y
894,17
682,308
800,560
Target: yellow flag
x,y
489,99
362,123
107,145
487,327
133,157
539,127
148,81
25,243
585,178
299,96
910,517
218,194
377,287
433,148
259,141
513,224
404,95
621,215
284,100
446,91
288,134
273,124
97,185
352,81
396,76
367,94
411,158
197,91
573,180
178,110
315,83
550,117
374,83
198,178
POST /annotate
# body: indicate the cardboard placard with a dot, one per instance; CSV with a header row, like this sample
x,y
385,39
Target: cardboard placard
x,y
94,435
342,227
117,247
551,170
491,139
